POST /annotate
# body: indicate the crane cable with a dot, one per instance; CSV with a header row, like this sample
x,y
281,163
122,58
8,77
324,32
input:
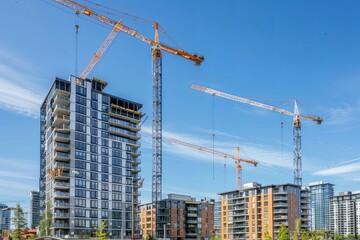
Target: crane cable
x,y
213,136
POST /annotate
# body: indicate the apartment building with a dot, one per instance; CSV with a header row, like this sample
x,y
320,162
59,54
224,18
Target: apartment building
x,y
6,214
89,165
320,194
248,213
345,213
147,215
217,218
34,209
179,217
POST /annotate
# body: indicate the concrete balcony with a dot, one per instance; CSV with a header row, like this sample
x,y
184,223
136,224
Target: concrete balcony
x,y
137,194
61,225
125,116
61,109
61,137
278,224
65,166
63,129
136,169
61,215
135,153
62,157
62,205
62,147
60,120
280,198
61,195
281,204
61,185
61,99
124,133
64,176
281,211
136,161
136,177
124,124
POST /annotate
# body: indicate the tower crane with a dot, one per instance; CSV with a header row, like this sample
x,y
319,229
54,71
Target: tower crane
x,y
237,159
156,52
296,124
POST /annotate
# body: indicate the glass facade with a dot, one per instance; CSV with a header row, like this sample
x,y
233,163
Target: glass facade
x,y
320,194
89,159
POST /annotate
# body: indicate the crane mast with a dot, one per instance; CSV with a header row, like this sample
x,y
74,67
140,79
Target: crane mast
x,y
237,159
297,160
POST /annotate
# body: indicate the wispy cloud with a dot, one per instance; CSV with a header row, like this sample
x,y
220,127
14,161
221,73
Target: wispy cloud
x,y
343,115
347,168
19,90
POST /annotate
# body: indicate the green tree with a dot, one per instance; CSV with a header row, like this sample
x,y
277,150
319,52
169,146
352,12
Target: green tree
x,y
215,237
46,223
267,234
101,234
19,222
283,233
297,229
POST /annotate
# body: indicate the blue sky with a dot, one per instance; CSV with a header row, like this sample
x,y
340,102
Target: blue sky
x,y
267,51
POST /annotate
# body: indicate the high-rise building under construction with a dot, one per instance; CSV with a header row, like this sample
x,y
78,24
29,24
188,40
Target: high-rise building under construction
x,y
249,213
89,165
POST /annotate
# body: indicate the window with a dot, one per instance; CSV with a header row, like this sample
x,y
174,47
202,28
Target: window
x,y
80,212
105,168
116,162
94,96
93,203
80,223
104,214
116,197
105,195
80,155
104,134
116,153
105,186
93,213
104,204
116,170
80,164
104,177
80,109
93,167
80,193
93,194
93,176
105,99
94,185
80,118
81,90
116,179
94,149
80,100
105,151
94,114
94,140
116,215
104,117
94,105
80,145
105,142
94,131
94,158
80,202
116,145
94,123
104,125
116,188
80,183
80,136
116,205
80,127
104,160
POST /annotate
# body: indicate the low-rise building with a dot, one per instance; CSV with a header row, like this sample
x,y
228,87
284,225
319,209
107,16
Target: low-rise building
x,y
249,213
345,213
